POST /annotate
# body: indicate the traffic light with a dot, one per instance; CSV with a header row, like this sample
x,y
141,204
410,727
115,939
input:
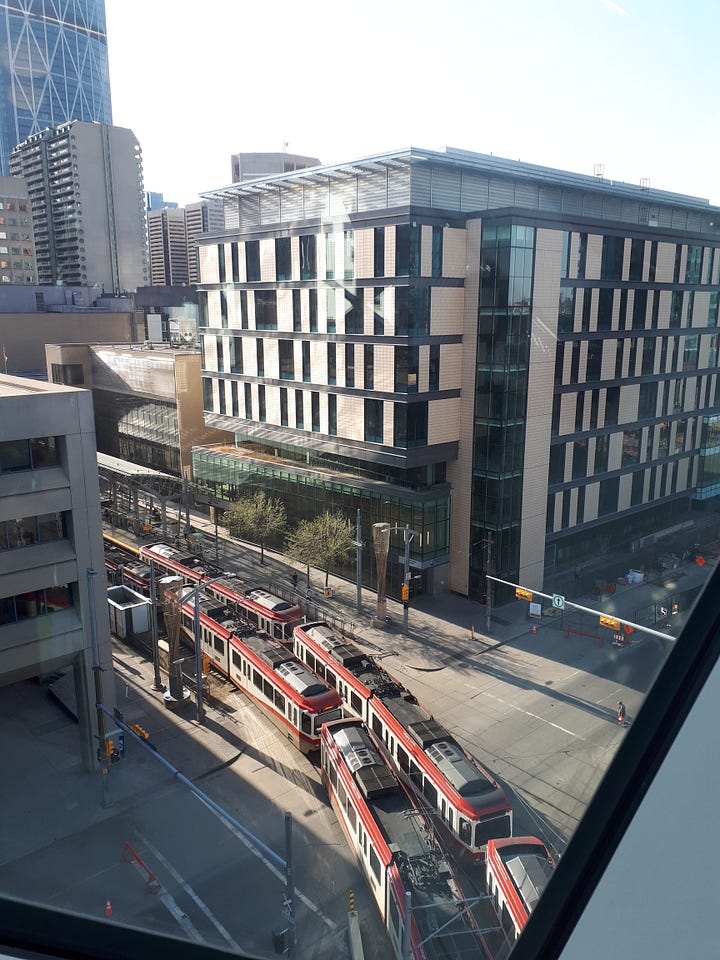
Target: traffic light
x,y
522,594
109,748
405,592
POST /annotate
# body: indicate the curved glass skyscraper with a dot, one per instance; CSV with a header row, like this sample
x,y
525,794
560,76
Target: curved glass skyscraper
x,y
54,67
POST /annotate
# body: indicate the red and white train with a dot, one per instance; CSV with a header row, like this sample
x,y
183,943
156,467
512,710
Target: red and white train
x,y
469,804
517,871
411,880
261,608
296,701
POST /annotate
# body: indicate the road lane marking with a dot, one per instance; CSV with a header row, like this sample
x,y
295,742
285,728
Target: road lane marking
x,y
528,713
191,893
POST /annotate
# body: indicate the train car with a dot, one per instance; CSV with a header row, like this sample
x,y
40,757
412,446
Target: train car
x,y
296,701
397,849
263,609
517,870
470,805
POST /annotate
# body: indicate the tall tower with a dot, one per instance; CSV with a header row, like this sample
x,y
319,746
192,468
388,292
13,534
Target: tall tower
x,y
85,188
54,67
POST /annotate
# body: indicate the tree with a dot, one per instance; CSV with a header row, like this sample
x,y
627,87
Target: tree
x,y
325,542
258,519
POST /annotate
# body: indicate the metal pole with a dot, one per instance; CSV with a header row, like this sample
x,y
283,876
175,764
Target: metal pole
x,y
406,939
186,495
289,885
157,681
217,548
97,671
198,658
489,584
406,578
358,561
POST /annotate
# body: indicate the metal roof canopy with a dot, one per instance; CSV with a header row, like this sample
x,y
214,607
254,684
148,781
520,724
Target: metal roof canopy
x,y
139,477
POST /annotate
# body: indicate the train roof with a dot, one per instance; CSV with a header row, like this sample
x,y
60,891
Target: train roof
x,y
407,829
529,869
182,557
467,777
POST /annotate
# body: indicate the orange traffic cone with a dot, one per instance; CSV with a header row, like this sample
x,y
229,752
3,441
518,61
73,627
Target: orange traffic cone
x,y
534,629
108,908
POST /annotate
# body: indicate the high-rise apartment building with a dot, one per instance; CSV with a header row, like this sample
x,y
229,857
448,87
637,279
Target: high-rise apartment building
x,y
519,363
17,239
54,68
85,185
173,235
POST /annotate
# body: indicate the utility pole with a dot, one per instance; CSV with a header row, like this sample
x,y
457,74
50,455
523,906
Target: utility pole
x,y
290,886
488,582
157,681
186,497
358,561
409,534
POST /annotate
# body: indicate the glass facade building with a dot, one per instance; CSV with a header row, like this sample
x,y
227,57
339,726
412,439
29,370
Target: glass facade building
x,y
55,68
541,344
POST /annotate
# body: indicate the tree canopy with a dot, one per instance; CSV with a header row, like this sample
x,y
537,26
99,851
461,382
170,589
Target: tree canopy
x,y
325,542
257,518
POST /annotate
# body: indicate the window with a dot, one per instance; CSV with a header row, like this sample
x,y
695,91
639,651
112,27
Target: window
x,y
369,366
379,252
434,367
308,258
207,386
286,351
330,256
283,406
613,249
349,254
349,365
252,260
283,258
437,251
332,414
313,311
330,310
248,402
407,250
315,410
296,311
260,352
261,403
354,302
236,355
374,421
235,262
266,310
306,361
410,423
332,364
379,311
299,410
221,262
406,369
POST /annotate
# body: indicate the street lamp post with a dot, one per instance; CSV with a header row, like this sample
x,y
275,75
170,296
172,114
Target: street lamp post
x,y
405,590
195,594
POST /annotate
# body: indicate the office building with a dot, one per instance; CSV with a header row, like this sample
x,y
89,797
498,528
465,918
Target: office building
x,y
52,572
518,363
17,239
156,201
173,235
85,184
147,400
253,166
54,68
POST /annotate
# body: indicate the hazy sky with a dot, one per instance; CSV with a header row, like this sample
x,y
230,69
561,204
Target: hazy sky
x,y
564,83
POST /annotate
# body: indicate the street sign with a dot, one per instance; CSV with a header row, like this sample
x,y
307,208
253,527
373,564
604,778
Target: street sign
x,y
611,622
522,594
558,601
287,908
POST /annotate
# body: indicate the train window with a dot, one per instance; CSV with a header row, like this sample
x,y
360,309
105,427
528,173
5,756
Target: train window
x,y
331,678
507,923
294,716
268,690
377,726
402,759
236,660
415,774
464,831
332,773
342,796
395,916
219,644
355,703
257,679
279,701
352,816
309,659
306,722
374,863
430,792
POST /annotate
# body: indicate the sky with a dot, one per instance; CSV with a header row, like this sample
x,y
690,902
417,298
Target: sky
x,y
631,85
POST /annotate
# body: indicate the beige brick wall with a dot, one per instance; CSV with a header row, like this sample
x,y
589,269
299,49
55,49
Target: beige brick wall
x,y
455,257
294,258
390,234
364,253
593,261
443,420
384,362
388,422
459,472
351,417
284,310
233,306
423,368
272,359
389,310
629,399
665,264
267,260
701,307
625,492
592,496
451,366
209,270
211,363
426,233
213,305
368,311
607,369
447,308
272,404
539,411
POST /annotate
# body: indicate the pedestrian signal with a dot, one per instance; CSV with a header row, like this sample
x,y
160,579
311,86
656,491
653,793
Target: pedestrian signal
x,y
405,594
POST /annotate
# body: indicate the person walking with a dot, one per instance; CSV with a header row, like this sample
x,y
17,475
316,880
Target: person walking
x,y
621,712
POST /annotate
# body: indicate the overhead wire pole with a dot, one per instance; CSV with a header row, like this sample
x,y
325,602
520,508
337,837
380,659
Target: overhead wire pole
x,y
577,606
358,561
